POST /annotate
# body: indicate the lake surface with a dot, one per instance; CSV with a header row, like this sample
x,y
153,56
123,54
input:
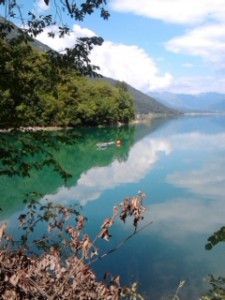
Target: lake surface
x,y
180,165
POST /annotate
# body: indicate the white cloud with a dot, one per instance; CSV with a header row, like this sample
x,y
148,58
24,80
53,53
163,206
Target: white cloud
x,y
60,44
135,66
40,5
206,41
197,84
204,36
176,11
131,64
119,61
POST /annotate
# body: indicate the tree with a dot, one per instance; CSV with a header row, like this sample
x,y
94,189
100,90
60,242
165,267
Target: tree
x,y
74,9
53,272
36,92
34,25
126,103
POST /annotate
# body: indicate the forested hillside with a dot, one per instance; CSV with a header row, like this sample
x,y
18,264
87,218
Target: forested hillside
x,y
39,88
35,91
145,104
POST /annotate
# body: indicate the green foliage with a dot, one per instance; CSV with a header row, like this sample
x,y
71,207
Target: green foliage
x,y
144,104
217,291
42,89
35,25
215,238
37,91
77,10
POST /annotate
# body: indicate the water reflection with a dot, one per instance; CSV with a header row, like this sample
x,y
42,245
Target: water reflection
x,y
180,166
76,159
207,180
94,182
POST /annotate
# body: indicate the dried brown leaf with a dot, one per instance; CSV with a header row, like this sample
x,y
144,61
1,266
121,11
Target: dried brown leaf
x,y
2,230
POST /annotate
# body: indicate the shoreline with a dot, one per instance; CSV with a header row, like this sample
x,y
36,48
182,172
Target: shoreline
x,y
140,118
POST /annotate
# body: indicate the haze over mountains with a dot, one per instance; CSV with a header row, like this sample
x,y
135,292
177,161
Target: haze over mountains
x,y
207,102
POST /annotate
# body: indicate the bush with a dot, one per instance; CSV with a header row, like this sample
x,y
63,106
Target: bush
x,y
57,264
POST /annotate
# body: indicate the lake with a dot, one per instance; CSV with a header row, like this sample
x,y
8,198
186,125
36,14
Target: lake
x,y
179,163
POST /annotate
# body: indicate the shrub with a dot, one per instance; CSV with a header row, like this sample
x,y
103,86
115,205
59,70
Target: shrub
x,y
57,264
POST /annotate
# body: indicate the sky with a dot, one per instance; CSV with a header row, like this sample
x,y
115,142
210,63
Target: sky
x,y
173,46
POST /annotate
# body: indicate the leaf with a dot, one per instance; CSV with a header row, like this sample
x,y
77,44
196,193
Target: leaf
x,y
107,222
14,279
104,234
94,252
22,218
116,279
208,246
2,230
123,216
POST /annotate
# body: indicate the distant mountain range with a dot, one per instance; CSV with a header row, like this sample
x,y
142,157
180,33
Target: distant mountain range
x,y
205,102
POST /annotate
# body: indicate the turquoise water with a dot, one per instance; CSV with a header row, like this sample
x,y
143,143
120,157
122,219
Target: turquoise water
x,y
180,165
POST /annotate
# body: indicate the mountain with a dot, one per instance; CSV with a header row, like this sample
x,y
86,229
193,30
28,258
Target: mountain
x,y
14,32
144,103
204,102
147,104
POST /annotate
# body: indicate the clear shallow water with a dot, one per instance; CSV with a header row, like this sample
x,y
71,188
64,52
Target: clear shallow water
x,y
180,165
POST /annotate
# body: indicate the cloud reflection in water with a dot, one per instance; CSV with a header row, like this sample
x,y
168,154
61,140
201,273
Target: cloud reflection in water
x,y
94,182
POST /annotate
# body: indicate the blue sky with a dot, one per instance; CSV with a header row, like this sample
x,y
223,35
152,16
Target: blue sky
x,y
156,45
